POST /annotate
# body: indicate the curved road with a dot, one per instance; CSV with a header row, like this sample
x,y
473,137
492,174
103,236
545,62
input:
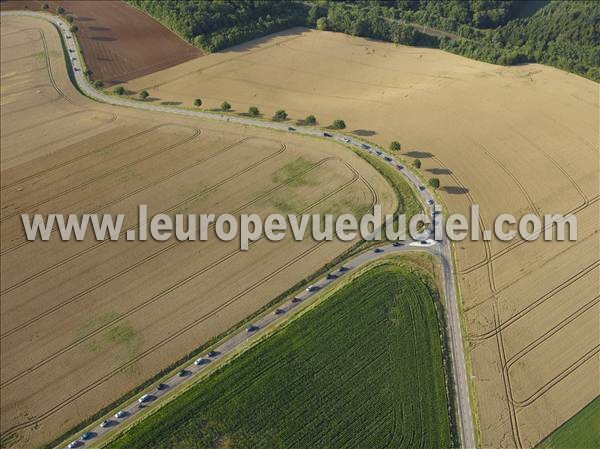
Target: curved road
x,y
441,250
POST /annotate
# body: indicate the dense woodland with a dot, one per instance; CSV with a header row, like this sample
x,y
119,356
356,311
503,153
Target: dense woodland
x,y
564,34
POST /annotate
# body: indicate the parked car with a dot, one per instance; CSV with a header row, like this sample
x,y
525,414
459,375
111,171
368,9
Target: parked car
x,y
291,129
327,135
105,423
88,436
144,398
121,414
200,361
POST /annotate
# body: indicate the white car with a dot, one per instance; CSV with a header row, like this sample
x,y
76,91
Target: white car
x,y
121,414
73,444
345,139
105,424
144,398
199,361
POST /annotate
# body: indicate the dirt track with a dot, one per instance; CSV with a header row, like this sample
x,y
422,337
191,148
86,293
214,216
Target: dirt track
x,y
513,140
119,42
123,311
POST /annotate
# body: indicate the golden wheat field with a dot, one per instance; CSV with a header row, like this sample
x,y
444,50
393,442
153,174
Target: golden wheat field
x,y
85,322
517,140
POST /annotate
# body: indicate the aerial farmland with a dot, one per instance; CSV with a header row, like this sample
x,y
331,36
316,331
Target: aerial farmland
x,y
106,107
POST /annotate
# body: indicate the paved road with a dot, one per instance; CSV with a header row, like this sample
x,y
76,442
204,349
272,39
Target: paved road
x,y
441,250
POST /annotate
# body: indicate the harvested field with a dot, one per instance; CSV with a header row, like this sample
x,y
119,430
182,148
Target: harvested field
x,y
85,322
372,349
516,140
119,42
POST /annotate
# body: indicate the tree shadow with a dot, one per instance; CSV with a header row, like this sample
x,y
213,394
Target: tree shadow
x,y
364,132
85,19
171,103
439,171
454,190
103,39
419,154
99,28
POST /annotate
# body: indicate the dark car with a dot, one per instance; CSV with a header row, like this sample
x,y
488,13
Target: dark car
x,y
387,158
213,353
162,387
331,276
365,146
182,373
88,436
421,188
378,250
344,268
291,129
296,299
400,167
327,135
396,244
251,328
431,202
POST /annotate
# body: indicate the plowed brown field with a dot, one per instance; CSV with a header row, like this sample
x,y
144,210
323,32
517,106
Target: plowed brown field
x,y
511,139
119,42
82,323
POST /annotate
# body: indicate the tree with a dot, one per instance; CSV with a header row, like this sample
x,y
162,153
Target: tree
x,y
98,84
120,90
417,163
45,6
280,115
434,182
395,146
69,19
74,28
144,94
60,10
338,124
253,111
311,120
197,102
321,23
225,106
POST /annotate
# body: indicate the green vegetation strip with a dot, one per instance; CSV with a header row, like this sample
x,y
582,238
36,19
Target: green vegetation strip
x,y
363,368
582,431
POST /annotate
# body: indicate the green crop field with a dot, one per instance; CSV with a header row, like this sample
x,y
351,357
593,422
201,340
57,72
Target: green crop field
x,y
362,369
582,431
